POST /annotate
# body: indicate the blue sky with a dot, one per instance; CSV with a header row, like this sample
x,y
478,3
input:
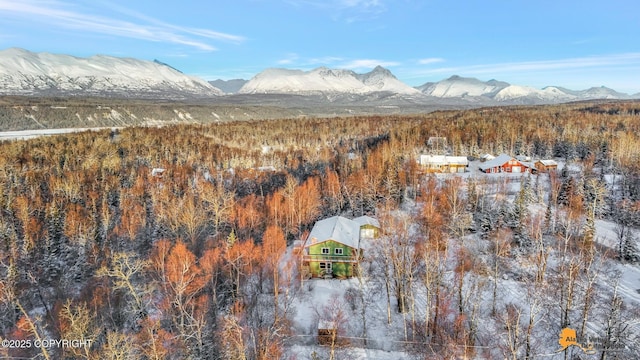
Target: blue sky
x,y
571,43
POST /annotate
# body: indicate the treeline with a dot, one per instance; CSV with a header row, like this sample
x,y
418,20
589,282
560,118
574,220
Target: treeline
x,y
95,244
27,113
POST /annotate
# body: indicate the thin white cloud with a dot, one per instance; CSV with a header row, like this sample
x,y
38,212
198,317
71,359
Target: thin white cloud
x,y
346,10
293,59
428,61
58,14
288,59
343,4
193,31
362,4
615,60
368,64
325,60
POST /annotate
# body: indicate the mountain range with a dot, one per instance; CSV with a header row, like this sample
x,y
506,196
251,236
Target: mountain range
x,y
472,88
26,73
325,80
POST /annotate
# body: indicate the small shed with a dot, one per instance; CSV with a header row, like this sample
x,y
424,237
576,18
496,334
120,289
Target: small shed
x,y
328,334
546,165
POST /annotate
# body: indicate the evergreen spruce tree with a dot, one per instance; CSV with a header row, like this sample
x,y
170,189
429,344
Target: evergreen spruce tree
x,y
519,215
549,227
629,251
566,190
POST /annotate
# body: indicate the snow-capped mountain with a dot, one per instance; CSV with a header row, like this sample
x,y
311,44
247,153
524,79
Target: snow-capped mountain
x,y
325,80
457,86
549,93
492,91
602,92
24,72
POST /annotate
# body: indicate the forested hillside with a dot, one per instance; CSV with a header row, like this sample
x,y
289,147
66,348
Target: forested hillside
x,y
170,242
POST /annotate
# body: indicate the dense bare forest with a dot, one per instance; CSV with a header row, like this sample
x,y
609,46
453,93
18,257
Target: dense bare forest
x,y
170,242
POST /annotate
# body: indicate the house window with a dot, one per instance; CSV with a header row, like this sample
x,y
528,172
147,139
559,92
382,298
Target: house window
x,y
339,251
325,250
325,266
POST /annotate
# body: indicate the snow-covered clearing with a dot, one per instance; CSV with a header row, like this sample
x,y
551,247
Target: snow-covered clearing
x,y
319,299
30,134
516,272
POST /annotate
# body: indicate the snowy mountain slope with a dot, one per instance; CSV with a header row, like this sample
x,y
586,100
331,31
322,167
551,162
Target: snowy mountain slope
x,y
25,72
602,92
325,80
472,89
457,86
550,93
381,79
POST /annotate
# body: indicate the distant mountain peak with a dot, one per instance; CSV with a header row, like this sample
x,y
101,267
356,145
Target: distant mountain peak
x,y
457,86
326,80
472,89
379,70
167,65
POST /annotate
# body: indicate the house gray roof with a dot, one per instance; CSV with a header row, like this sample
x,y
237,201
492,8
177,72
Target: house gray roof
x,y
499,161
367,220
336,228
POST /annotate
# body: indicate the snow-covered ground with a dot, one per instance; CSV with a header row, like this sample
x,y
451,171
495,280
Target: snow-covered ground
x,y
385,341
318,301
30,134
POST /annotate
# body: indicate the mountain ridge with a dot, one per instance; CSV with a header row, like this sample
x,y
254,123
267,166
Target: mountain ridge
x,y
325,80
502,92
27,73
43,74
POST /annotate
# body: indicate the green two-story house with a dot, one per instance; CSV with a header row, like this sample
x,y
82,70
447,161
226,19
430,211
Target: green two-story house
x,y
333,247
